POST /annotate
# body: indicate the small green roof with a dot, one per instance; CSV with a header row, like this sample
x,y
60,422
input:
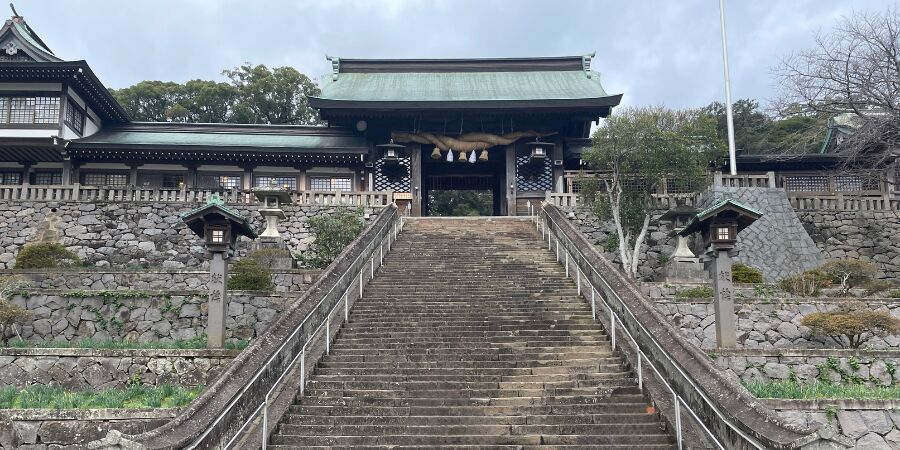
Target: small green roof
x,y
215,205
747,215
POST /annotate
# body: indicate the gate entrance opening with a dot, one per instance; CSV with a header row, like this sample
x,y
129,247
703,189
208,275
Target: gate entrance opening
x,y
462,188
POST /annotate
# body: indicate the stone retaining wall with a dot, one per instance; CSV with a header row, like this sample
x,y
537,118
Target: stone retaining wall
x,y
182,280
857,424
163,316
767,323
78,369
654,253
44,429
873,367
131,234
870,235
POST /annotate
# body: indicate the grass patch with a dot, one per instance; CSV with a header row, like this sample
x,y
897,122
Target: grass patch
x,y
800,391
696,292
195,343
54,397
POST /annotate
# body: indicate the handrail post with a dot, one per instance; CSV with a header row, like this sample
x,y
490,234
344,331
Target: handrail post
x,y
677,420
593,303
578,278
265,422
372,267
346,308
567,263
612,326
302,371
360,283
640,373
328,334
557,249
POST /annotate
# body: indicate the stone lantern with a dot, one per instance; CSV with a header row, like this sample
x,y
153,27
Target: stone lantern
x,y
683,266
219,227
271,199
719,225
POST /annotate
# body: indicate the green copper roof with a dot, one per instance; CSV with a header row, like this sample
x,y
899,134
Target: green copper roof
x,y
272,137
462,86
748,215
25,32
215,205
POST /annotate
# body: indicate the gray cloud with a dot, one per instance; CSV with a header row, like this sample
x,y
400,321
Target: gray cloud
x,y
652,51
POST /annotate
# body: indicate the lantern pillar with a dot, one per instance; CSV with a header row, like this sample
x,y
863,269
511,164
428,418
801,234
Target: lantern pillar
x,y
720,272
218,300
719,225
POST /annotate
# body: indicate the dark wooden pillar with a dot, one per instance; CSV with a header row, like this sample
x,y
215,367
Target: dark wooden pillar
x,y
558,170
133,174
510,187
67,171
415,178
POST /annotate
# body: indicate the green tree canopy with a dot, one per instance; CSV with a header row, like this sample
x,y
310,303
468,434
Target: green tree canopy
x,y
757,133
637,149
254,94
460,203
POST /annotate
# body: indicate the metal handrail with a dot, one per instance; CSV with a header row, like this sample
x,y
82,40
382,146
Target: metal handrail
x,y
678,400
396,226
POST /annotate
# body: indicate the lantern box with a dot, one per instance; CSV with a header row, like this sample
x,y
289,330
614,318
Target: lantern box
x,y
720,223
218,225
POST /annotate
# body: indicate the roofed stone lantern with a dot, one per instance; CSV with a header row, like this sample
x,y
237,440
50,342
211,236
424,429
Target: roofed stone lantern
x,y
272,198
719,225
682,266
219,227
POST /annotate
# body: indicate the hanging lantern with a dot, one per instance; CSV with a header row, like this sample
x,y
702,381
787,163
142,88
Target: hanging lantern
x,y
450,155
484,155
436,153
472,157
462,157
538,149
390,152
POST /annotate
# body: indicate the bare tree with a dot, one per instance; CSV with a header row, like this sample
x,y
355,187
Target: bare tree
x,y
852,72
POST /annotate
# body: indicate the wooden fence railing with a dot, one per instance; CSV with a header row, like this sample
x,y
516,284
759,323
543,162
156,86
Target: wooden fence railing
x,y
79,193
660,201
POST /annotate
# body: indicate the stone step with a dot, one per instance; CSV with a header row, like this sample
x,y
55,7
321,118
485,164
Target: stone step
x,y
320,398
476,447
616,405
635,441
536,367
314,417
644,429
474,341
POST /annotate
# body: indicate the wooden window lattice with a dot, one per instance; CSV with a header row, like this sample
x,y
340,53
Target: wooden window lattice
x,y
392,177
533,175
331,184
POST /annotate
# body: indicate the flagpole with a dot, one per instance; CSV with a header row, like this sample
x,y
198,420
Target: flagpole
x,y
729,114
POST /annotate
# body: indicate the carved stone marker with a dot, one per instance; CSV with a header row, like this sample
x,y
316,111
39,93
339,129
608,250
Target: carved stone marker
x,y
220,228
719,225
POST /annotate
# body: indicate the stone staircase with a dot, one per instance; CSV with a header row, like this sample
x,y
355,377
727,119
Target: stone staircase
x,y
470,336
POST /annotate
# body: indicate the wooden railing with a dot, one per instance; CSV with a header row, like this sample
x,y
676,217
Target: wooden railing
x,y
763,180
79,193
660,201
843,202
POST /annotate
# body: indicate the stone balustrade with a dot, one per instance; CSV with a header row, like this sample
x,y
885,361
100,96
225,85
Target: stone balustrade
x,y
81,193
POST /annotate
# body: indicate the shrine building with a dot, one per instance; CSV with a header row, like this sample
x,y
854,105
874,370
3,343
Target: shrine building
x,y
510,126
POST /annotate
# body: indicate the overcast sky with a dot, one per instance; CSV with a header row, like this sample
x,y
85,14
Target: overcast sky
x,y
659,51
